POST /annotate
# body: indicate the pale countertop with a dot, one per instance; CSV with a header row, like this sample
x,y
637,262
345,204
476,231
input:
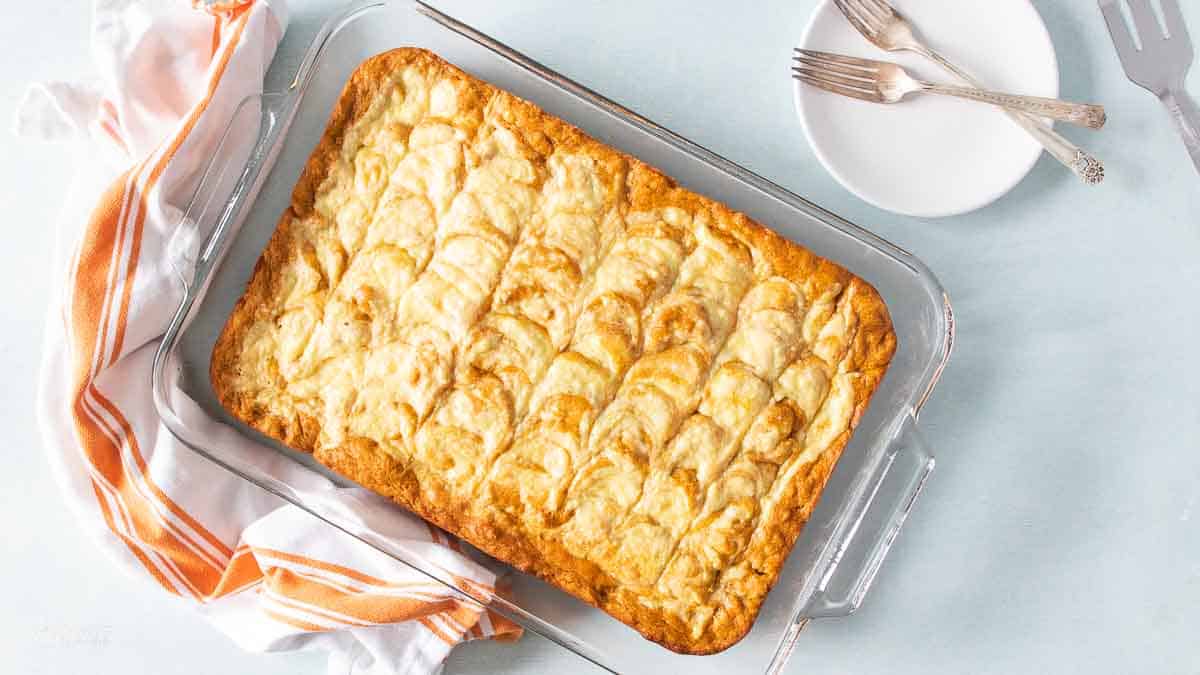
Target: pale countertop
x,y
1061,531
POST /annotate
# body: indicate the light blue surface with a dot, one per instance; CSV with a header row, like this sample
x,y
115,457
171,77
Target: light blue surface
x,y
1061,531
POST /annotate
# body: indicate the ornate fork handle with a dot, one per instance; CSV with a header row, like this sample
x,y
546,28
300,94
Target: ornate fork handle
x,y
1082,164
1090,116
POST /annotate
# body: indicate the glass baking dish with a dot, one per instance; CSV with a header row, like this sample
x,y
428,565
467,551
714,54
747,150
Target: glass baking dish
x,y
248,183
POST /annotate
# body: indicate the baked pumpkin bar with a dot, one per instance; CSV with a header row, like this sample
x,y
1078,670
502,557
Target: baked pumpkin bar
x,y
550,349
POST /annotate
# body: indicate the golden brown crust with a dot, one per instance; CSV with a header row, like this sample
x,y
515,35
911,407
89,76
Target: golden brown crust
x,y
637,188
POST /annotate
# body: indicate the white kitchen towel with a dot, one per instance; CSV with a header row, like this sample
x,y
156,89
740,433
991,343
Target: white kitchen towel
x,y
169,76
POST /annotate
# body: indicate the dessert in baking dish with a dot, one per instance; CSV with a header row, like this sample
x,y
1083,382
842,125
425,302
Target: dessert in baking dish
x,y
552,350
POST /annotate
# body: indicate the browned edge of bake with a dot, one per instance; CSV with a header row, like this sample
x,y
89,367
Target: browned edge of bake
x,y
872,348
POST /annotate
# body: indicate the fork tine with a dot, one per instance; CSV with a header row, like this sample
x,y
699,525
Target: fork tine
x,y
865,14
1119,30
830,66
1145,21
885,8
871,10
834,78
819,83
855,19
1174,18
868,66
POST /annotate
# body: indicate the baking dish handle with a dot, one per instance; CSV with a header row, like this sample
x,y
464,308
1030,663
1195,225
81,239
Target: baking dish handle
x,y
889,494
229,181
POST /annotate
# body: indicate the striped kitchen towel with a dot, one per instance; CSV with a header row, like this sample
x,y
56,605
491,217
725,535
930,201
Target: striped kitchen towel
x,y
267,574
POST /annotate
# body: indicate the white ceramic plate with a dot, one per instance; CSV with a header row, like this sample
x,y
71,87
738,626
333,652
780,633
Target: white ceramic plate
x,y
933,156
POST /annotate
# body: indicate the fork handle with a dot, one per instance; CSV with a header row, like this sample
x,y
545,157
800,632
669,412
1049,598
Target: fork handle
x,y
1082,114
1186,114
1082,164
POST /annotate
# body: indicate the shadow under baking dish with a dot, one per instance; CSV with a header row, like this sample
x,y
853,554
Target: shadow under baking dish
x,y
237,205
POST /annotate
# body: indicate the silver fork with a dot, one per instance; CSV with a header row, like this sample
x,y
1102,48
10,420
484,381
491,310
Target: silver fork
x,y
883,82
1162,64
887,29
